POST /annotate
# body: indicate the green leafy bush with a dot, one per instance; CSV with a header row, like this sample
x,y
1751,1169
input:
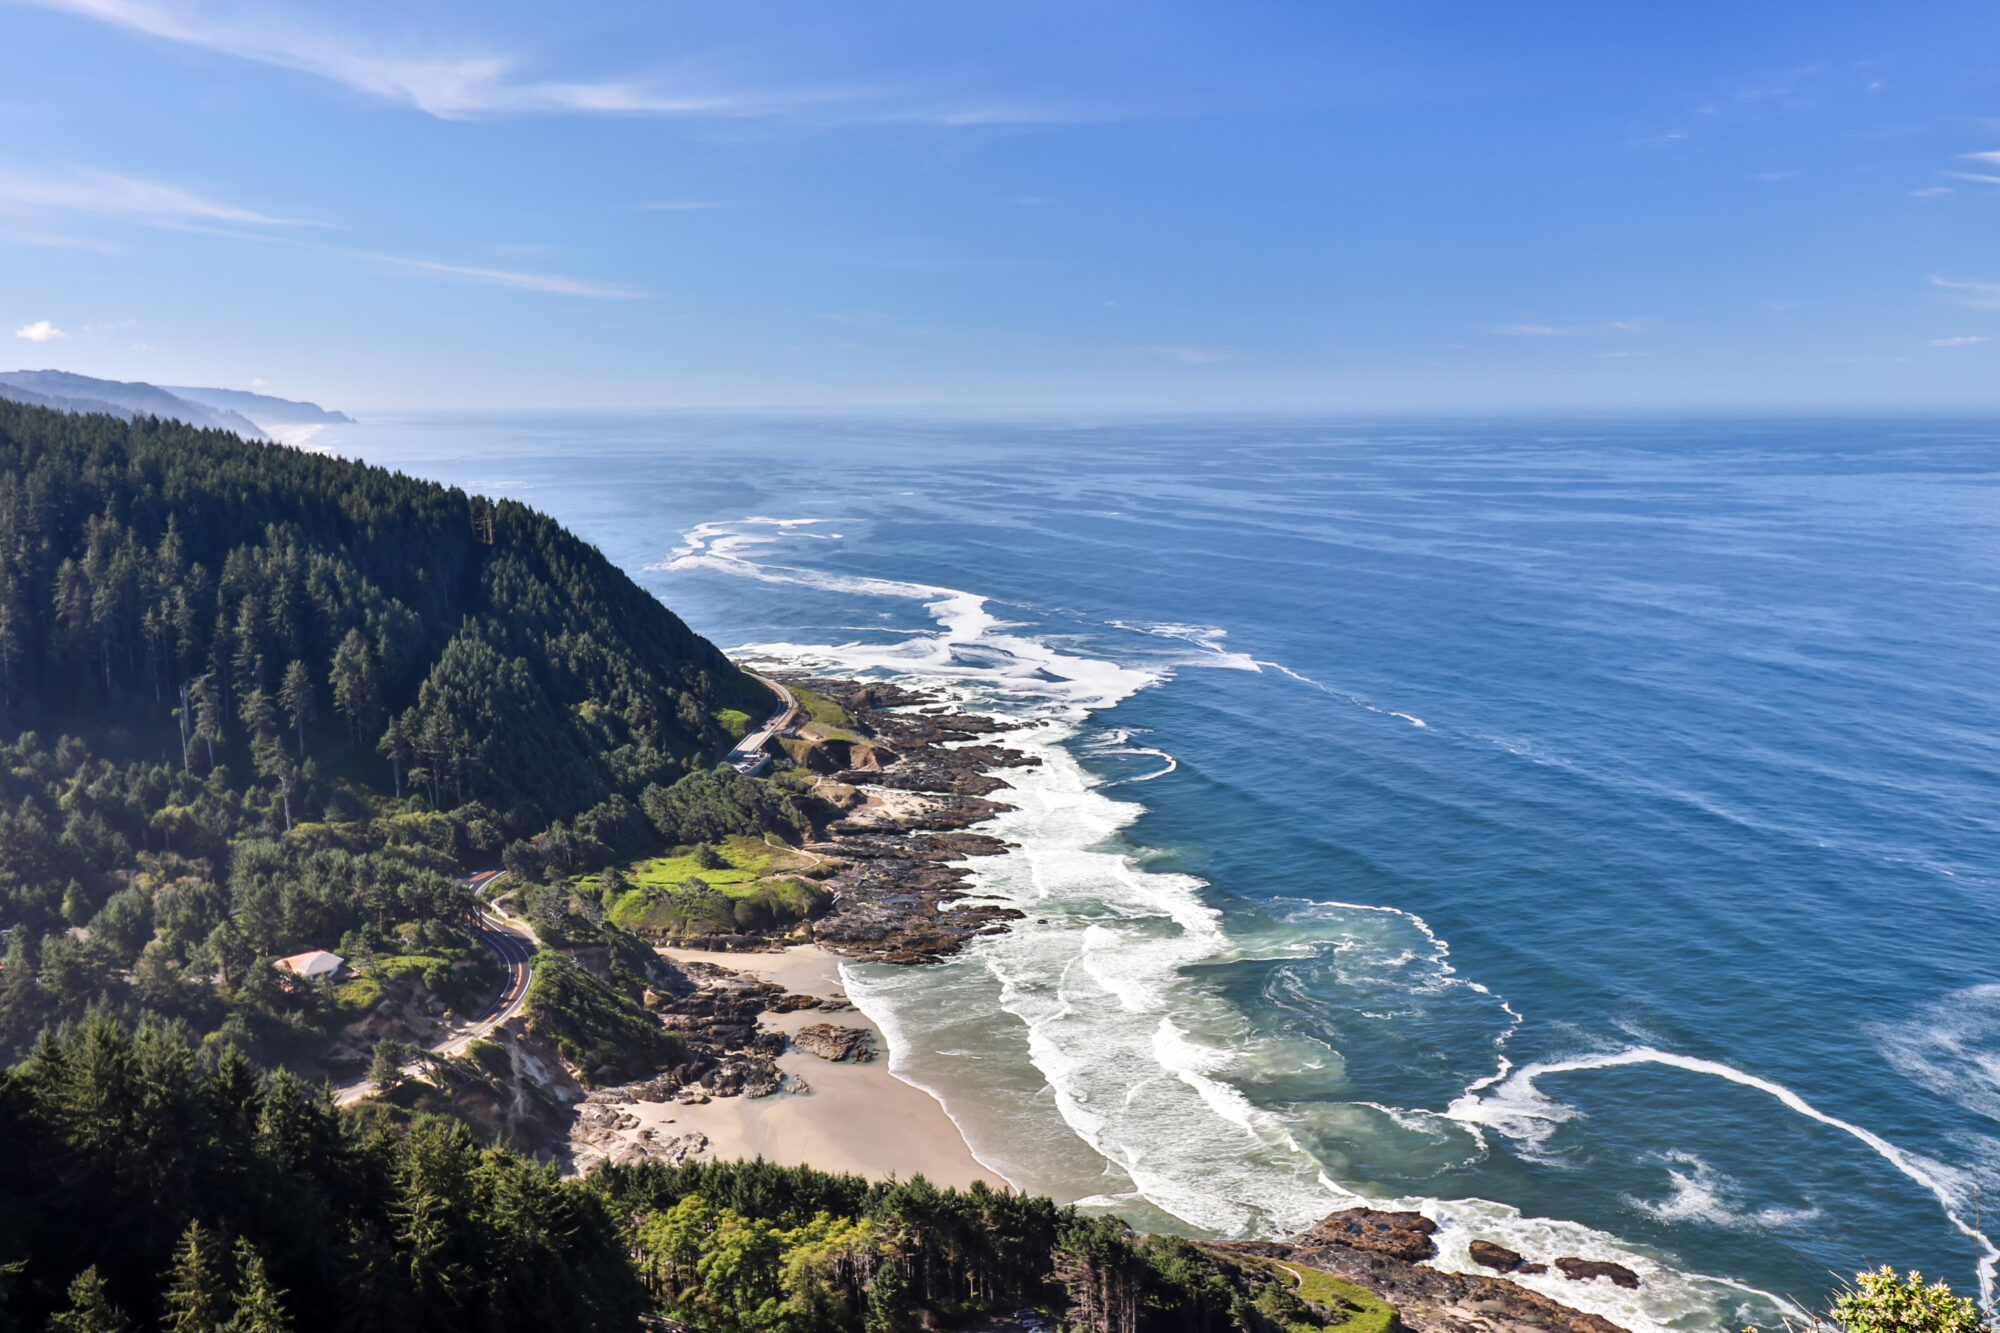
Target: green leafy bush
x,y
1881,1302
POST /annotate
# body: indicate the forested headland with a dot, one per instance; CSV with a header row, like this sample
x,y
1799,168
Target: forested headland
x,y
256,701
149,1183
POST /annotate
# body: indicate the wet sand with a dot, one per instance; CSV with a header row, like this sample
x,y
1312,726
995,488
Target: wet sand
x,y
855,1117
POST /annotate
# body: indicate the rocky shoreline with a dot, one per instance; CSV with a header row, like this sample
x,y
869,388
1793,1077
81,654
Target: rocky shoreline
x,y
900,790
896,787
907,783
1385,1252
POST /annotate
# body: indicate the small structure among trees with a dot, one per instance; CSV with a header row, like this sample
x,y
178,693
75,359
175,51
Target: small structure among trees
x,y
312,965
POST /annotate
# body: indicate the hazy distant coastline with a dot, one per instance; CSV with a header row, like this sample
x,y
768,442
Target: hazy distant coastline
x,y
254,416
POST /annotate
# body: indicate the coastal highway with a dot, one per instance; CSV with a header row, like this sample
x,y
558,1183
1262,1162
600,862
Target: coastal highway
x,y
749,757
515,943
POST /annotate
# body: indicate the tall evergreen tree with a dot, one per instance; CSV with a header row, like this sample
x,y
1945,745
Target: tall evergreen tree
x,y
259,1304
295,694
196,1298
208,709
90,1308
357,695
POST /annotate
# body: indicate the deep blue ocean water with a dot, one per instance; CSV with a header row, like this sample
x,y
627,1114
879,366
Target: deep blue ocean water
x,y
1585,829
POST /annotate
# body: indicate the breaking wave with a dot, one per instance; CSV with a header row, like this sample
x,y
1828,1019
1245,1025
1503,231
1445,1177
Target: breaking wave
x,y
1516,1107
1122,1045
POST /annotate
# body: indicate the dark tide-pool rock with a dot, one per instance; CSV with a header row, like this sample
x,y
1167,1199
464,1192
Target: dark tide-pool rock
x,y
1583,1270
1488,1255
1405,1236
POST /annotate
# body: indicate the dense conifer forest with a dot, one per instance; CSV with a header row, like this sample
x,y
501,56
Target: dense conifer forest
x,y
256,701
150,1184
153,1183
299,621
253,701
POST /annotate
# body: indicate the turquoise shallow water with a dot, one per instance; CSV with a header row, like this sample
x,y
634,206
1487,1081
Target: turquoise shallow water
x,y
1586,829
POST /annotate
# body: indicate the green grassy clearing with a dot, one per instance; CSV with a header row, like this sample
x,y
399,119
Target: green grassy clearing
x,y
673,896
357,996
735,723
747,858
827,718
396,966
1345,1305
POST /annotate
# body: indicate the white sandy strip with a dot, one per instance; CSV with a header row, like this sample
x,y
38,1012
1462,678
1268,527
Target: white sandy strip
x,y
856,1118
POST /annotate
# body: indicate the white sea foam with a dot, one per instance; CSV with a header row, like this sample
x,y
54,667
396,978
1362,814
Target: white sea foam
x,y
1140,1058
1951,1047
969,649
1667,1298
1208,638
1699,1193
1345,696
1517,1107
1119,742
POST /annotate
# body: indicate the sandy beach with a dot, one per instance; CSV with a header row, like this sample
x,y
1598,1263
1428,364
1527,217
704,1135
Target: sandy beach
x,y
852,1117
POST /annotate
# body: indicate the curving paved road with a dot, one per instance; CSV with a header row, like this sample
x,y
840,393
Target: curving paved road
x,y
748,757
516,945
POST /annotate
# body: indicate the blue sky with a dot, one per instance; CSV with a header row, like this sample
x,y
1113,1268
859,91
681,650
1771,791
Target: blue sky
x,y
1028,205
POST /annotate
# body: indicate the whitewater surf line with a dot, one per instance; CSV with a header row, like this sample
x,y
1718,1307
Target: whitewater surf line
x,y
1516,1099
1134,1055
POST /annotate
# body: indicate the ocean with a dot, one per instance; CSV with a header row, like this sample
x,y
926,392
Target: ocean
x,y
1584,830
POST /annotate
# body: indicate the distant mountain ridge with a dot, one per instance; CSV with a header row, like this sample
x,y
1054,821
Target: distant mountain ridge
x,y
261,408
254,416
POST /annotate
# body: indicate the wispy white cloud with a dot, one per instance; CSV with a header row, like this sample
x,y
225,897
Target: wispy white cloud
x,y
1932,192
1971,176
447,85
105,194
1991,159
1534,331
41,331
466,82
159,204
514,279
1964,340
1978,295
1786,92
